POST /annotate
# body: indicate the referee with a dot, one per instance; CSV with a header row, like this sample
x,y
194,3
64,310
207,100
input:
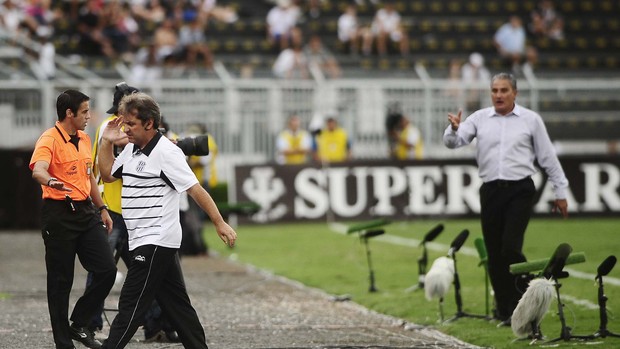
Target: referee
x,y
75,220
510,139
154,173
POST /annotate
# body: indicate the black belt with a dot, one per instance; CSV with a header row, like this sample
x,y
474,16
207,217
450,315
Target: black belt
x,y
505,183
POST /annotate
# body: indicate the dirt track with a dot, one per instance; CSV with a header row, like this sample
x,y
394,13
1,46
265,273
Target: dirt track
x,y
240,307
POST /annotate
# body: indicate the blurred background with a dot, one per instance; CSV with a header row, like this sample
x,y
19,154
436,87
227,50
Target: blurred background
x,y
239,69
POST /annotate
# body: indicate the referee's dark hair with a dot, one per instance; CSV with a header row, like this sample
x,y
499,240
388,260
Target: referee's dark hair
x,y
143,105
505,76
69,99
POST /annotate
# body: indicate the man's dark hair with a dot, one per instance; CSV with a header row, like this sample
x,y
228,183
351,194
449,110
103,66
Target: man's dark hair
x,y
69,99
143,105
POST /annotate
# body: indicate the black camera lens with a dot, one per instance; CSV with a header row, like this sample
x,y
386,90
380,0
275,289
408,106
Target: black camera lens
x,y
198,145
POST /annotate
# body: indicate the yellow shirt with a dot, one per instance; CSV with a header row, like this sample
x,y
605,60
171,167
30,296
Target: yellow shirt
x,y
110,192
409,136
299,140
332,146
204,166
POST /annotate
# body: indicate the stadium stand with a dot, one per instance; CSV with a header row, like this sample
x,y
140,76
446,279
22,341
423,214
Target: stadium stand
x,y
439,30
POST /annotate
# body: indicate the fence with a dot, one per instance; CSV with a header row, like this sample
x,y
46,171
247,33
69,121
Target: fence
x,y
244,116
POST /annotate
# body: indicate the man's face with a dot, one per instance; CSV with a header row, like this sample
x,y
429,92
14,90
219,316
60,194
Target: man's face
x,y
503,96
137,132
294,123
81,117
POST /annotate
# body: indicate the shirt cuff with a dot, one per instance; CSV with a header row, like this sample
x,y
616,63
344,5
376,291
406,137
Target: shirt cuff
x,y
560,193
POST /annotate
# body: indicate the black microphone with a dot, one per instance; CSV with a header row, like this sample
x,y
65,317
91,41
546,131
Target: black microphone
x,y
431,235
458,242
557,261
372,233
605,267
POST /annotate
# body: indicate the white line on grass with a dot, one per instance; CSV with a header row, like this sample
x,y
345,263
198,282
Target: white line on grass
x,y
401,241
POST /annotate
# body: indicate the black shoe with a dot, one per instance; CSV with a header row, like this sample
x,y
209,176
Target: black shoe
x,y
505,323
173,337
84,336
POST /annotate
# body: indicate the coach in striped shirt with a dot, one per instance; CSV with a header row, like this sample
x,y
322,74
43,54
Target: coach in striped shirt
x,y
154,172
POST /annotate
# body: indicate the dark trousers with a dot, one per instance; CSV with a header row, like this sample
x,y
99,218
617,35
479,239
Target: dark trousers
x,y
117,240
66,234
155,273
506,208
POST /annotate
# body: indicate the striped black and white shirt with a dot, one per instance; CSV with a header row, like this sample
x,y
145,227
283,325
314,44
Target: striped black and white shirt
x,y
153,179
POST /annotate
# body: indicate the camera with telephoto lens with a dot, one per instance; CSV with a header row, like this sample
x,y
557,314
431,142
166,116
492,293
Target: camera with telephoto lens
x,y
198,145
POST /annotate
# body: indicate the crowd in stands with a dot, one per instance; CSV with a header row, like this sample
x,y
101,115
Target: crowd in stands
x,y
150,35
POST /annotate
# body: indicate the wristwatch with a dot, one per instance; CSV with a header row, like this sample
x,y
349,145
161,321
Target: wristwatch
x,y
103,207
52,179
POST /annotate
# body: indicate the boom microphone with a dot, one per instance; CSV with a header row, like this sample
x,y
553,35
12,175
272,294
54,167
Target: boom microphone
x,y
482,250
372,233
606,266
557,261
458,242
431,235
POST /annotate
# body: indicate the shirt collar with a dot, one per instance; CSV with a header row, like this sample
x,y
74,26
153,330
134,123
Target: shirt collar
x,y
516,111
148,148
63,133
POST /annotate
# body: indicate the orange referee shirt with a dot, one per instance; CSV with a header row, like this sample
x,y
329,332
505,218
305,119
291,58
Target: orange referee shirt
x,y
68,164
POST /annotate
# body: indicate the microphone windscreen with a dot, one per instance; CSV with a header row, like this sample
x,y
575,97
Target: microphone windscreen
x,y
557,261
372,233
431,235
459,240
481,248
606,266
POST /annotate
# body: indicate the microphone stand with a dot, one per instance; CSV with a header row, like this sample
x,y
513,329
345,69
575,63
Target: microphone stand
x,y
602,304
371,272
565,332
422,263
365,236
457,294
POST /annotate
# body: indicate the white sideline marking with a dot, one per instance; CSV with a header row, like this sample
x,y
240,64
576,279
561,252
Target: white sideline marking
x,y
401,241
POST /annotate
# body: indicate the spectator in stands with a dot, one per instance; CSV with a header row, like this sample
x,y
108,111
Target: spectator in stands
x,y
149,10
546,22
291,63
531,59
90,23
211,10
474,74
11,15
409,143
386,26
121,29
38,17
319,56
147,65
349,31
332,143
281,20
454,89
293,144
193,42
166,40
509,40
